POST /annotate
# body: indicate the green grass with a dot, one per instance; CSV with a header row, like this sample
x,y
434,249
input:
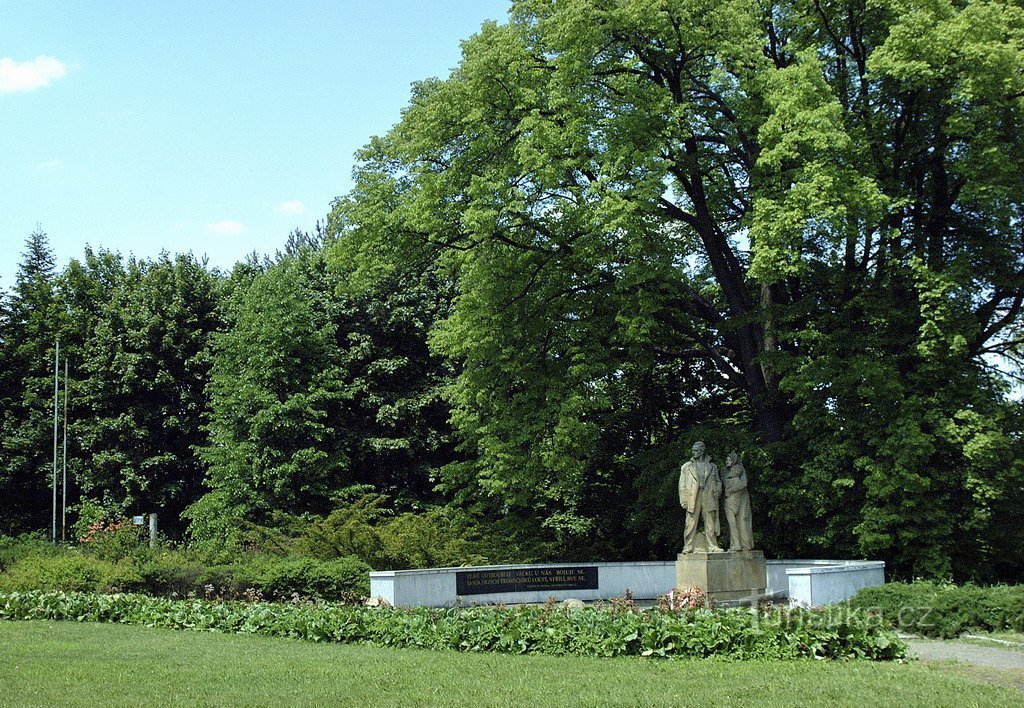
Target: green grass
x,y
990,643
1017,637
101,664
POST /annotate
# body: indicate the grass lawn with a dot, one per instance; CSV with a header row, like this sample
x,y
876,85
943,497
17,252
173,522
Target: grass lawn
x,y
94,664
1016,637
989,643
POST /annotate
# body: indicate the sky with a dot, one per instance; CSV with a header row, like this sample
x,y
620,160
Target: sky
x,y
213,127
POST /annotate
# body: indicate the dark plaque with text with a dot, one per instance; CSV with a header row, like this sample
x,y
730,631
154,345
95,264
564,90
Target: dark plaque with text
x,y
478,582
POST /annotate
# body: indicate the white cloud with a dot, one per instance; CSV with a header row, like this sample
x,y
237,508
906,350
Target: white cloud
x,y
292,206
49,165
29,75
227,227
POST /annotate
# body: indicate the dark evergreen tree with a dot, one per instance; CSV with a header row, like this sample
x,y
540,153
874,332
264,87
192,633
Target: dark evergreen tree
x,y
35,321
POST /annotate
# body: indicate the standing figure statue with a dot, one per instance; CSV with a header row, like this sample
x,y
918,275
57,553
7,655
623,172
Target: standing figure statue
x,y
737,504
700,488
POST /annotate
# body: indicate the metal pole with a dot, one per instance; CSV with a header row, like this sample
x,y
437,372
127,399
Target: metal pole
x,y
56,394
64,458
152,530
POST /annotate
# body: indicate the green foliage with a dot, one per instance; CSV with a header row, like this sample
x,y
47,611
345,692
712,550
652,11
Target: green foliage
x,y
739,634
344,578
13,548
68,571
113,540
367,529
28,332
795,226
936,609
117,562
143,401
314,391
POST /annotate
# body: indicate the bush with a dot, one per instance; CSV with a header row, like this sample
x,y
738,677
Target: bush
x,y
114,539
67,571
13,548
280,578
365,528
590,631
945,610
173,573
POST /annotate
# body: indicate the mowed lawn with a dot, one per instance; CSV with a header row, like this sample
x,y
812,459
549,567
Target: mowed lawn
x,y
103,664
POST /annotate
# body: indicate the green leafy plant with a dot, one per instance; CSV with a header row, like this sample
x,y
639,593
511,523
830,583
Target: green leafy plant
x,y
112,539
839,633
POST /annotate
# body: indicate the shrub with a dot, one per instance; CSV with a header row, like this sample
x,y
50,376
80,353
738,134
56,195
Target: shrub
x,y
590,631
113,539
67,571
365,528
172,573
275,577
13,548
945,610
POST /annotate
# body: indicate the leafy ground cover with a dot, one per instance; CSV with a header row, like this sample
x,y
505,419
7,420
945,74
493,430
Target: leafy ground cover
x,y
944,610
619,630
91,664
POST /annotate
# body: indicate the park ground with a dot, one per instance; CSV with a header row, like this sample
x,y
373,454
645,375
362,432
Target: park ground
x,y
47,663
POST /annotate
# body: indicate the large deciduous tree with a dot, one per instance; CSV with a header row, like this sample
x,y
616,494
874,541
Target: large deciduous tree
x,y
141,400
809,209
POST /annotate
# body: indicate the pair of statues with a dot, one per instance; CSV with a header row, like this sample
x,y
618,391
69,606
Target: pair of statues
x,y
700,491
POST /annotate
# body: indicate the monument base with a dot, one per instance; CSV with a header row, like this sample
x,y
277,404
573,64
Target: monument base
x,y
725,577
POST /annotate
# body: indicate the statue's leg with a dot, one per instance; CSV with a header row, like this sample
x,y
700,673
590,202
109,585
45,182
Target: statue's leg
x,y
711,529
745,524
731,517
690,531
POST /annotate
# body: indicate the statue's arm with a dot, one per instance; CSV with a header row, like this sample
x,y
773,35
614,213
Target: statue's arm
x,y
731,485
717,479
741,480
682,486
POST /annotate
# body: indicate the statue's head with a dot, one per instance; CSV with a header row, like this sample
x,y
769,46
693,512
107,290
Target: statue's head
x,y
698,449
732,458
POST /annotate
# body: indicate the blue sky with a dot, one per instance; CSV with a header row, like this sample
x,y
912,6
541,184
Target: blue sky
x,y
211,127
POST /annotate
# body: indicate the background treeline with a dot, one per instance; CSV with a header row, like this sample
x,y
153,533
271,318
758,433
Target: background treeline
x,y
792,229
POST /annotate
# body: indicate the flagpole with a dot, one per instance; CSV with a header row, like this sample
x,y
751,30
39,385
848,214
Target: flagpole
x,y
56,394
64,459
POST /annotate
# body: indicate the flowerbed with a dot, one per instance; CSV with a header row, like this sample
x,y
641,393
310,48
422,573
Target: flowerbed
x,y
841,633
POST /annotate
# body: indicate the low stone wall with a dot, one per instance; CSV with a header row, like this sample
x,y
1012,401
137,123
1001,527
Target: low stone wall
x,y
813,583
437,587
805,582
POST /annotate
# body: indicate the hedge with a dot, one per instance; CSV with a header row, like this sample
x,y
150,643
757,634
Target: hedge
x,y
945,610
588,631
172,574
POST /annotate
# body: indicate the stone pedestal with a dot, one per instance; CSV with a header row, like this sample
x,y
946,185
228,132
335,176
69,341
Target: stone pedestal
x,y
725,577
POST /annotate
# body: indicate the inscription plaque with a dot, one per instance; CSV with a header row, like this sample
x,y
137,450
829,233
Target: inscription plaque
x,y
479,582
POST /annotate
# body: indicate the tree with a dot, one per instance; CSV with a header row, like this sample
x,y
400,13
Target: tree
x,y
31,329
315,392
142,399
816,201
